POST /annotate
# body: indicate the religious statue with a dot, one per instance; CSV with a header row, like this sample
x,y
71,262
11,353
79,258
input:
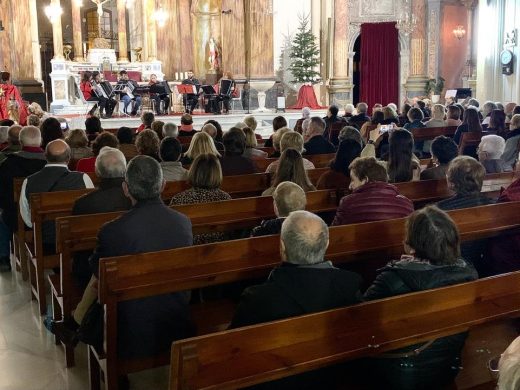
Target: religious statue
x,y
138,53
67,49
100,42
213,54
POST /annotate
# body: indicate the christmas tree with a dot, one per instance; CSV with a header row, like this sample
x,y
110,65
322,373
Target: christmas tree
x,y
305,54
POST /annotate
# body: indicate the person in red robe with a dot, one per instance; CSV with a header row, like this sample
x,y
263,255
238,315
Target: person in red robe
x,y
11,103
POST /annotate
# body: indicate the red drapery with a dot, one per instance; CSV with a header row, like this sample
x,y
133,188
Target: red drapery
x,y
306,98
379,64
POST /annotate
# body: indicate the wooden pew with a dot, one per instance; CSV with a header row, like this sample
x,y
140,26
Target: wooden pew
x,y
19,236
469,139
279,349
149,274
319,161
429,133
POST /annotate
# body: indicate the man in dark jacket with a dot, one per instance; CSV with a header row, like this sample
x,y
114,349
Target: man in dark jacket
x,y
465,177
304,283
332,118
287,197
361,117
109,197
145,326
55,176
18,164
317,144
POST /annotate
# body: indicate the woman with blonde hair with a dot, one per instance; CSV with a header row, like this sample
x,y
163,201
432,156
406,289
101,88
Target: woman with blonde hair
x,y
251,142
201,143
78,143
290,169
277,138
291,140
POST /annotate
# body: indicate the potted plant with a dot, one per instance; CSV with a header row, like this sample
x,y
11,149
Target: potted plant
x,y
434,87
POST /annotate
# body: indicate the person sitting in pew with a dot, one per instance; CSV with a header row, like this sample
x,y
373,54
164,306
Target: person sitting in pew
x,y
54,176
465,177
212,131
126,142
233,162
186,129
201,143
510,154
453,116
317,144
290,169
251,143
277,139
87,165
432,260
205,178
289,140
489,153
338,175
147,118
443,151
287,197
147,143
170,152
146,327
372,197
108,197
278,123
304,283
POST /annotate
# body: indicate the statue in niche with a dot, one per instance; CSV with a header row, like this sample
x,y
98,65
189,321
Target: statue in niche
x,y
214,54
100,42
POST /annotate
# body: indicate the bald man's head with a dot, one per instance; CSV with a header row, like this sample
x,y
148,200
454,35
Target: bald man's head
x,y
304,238
57,152
14,134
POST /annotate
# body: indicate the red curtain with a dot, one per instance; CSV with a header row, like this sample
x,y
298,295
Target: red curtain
x,y
379,64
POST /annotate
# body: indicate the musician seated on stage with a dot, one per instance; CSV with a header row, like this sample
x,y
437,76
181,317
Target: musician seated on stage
x,y
191,100
93,92
159,93
129,93
226,90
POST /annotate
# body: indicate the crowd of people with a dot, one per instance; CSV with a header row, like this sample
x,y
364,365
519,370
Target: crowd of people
x,y
372,153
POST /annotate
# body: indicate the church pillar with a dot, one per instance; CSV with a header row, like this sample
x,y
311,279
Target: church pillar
x,y
339,85
469,76
416,83
151,30
434,22
76,31
259,39
121,30
57,35
135,21
316,31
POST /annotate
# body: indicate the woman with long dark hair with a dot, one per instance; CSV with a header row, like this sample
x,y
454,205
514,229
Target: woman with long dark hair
x,y
402,164
497,123
338,175
470,123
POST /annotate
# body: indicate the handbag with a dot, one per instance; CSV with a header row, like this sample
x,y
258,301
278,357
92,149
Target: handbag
x,y
90,330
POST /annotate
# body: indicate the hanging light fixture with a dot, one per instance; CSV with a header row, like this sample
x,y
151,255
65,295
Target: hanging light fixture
x,y
407,20
459,32
160,16
53,12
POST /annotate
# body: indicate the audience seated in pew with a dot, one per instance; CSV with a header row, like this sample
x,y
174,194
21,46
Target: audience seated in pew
x,y
92,128
126,142
50,130
465,177
146,326
205,178
170,129
277,139
289,140
489,153
350,132
287,197
201,143
251,151
212,131
157,126
443,151
338,174
147,118
78,143
55,176
512,138
13,141
372,198
290,168
497,123
432,260
278,123
331,118
30,159
306,114
438,117
453,115
147,143
87,165
470,123
317,144
220,133
186,129
233,161
108,197
170,152
361,117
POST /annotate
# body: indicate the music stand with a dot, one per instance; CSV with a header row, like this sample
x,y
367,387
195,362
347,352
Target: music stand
x,y
185,89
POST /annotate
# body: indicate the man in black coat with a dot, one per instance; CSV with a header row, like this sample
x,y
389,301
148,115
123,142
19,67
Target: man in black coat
x,y
361,117
304,283
27,161
317,144
145,326
108,197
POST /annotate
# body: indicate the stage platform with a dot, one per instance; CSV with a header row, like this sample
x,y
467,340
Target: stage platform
x,y
265,120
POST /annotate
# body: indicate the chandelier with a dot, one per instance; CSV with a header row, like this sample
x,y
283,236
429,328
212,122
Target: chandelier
x,y
459,32
53,12
407,20
160,16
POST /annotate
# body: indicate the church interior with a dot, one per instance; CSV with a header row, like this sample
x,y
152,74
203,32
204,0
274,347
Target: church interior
x,y
264,194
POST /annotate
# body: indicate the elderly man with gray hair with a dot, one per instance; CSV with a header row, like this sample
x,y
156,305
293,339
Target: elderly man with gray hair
x,y
170,130
317,144
304,283
489,152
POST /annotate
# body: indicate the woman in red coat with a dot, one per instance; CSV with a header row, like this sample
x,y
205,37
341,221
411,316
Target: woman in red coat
x,y
372,197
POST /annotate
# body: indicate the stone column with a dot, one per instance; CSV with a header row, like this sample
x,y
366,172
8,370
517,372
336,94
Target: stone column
x,y
470,65
339,88
316,31
76,31
135,23
121,30
434,22
57,35
151,30
416,84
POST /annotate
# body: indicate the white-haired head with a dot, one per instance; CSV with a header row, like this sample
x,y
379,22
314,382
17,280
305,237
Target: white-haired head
x,y
306,112
170,130
491,147
349,108
30,136
110,163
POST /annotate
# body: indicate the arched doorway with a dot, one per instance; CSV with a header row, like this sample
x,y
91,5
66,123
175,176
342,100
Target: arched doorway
x,y
356,70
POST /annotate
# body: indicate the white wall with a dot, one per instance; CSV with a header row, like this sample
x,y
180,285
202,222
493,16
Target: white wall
x,y
494,19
